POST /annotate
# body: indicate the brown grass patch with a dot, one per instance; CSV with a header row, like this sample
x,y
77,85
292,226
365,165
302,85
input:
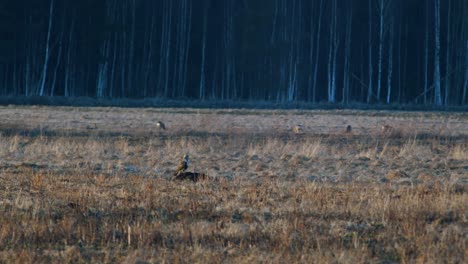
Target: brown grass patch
x,y
105,195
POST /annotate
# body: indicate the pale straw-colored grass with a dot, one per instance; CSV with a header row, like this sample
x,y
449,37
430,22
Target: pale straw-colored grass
x,y
272,195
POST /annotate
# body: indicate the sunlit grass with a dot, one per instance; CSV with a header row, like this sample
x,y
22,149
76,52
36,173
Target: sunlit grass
x,y
270,197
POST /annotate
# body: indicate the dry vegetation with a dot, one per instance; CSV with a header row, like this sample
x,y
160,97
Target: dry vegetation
x,y
92,185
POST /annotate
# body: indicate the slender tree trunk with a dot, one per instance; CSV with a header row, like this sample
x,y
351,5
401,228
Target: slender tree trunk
x,y
123,53
405,65
317,53
168,50
47,55
275,21
311,57
426,55
103,67
437,90
27,68
112,86
346,82
149,58
178,76
187,47
69,52
59,59
464,45
381,40
131,52
201,94
465,86
102,71
447,55
330,60
390,62
332,55
369,87
291,55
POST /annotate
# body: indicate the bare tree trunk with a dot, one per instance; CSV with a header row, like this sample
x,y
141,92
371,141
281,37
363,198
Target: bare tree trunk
x,y
464,45
57,64
447,55
332,55
291,56
405,64
275,21
390,63
201,94
426,55
187,46
69,52
465,86
102,74
168,50
369,87
131,56
311,56
149,57
229,70
437,90
47,55
178,76
165,47
346,82
123,54
27,68
381,40
112,90
330,60
317,53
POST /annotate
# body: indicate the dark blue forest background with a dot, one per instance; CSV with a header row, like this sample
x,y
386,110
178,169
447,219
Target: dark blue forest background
x,y
354,51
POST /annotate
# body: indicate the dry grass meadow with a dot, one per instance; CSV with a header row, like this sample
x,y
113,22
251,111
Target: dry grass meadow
x,y
93,185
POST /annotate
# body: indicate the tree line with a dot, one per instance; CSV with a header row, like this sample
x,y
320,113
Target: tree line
x,y
366,51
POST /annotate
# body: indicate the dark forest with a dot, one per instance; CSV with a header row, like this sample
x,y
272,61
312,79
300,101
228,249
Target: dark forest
x,y
339,52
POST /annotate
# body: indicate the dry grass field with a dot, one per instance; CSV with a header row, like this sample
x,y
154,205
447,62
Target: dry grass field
x,y
93,185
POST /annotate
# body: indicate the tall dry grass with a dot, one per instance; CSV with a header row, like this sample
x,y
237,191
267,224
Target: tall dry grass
x,y
271,197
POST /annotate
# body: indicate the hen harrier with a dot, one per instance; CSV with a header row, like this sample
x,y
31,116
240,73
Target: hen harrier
x,y
183,165
349,128
161,125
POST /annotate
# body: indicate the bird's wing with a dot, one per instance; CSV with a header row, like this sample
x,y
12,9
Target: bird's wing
x,y
182,166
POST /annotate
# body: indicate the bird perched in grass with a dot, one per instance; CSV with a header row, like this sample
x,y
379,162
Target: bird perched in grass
x,y
161,125
386,129
349,129
297,129
183,165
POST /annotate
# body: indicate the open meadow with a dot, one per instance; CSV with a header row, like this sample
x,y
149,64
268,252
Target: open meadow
x,y
283,186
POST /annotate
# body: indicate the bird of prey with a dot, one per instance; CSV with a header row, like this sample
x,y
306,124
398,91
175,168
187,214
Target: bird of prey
x,y
297,129
349,129
386,129
183,165
161,125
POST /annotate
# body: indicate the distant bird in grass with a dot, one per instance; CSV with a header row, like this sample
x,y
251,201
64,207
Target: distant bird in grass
x,y
349,128
161,125
386,129
297,129
183,165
